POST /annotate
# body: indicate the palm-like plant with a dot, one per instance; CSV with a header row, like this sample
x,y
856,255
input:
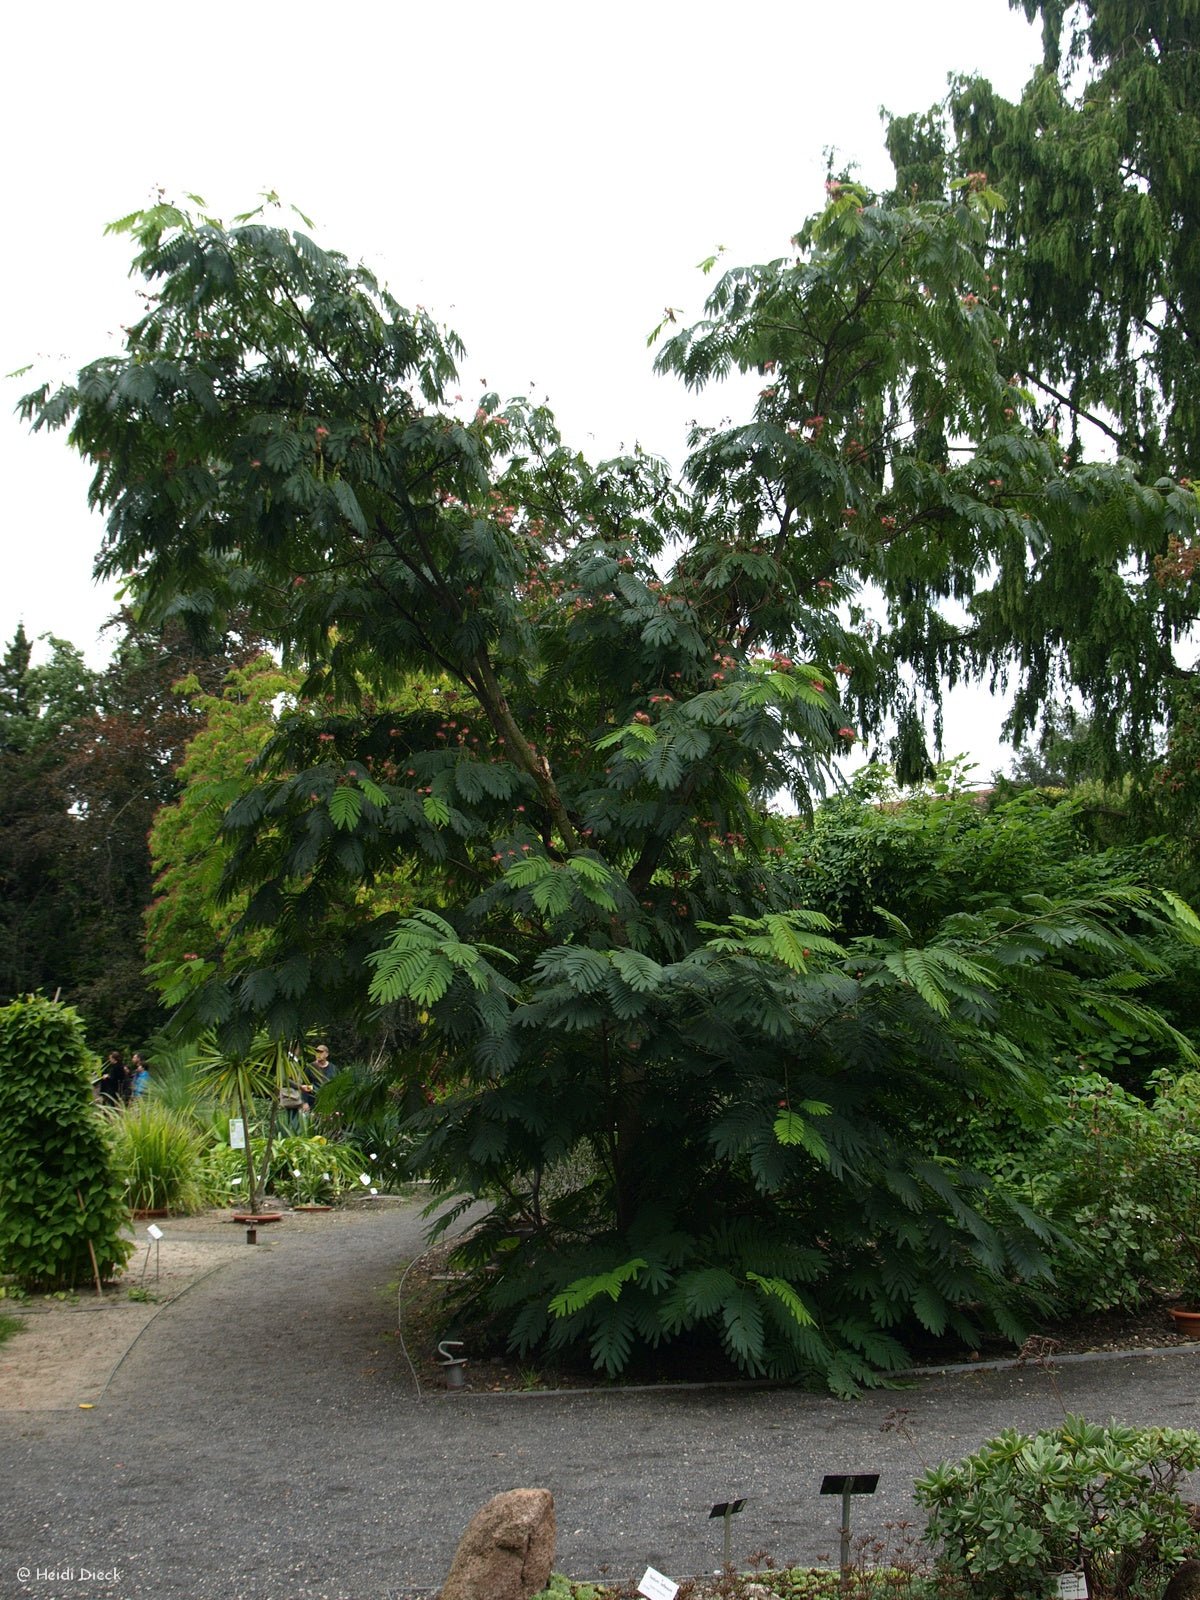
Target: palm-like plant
x,y
239,1077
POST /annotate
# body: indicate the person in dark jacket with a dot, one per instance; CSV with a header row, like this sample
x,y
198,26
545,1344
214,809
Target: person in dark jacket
x,y
321,1070
115,1082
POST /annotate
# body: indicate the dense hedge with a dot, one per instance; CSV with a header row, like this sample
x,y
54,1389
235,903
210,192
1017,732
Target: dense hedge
x,y
59,1187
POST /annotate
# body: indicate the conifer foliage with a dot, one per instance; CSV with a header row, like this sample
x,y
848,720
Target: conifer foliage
x,y
686,1097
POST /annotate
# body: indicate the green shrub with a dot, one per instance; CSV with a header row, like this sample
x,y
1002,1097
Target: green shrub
x,y
308,1169
174,1083
1121,1176
355,1105
223,1173
1027,1507
60,1190
161,1154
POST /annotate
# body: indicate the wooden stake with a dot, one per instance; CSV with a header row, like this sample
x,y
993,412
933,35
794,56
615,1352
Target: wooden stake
x,y
91,1249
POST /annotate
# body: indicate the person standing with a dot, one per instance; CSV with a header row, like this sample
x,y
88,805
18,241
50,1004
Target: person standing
x,y
114,1080
321,1071
139,1075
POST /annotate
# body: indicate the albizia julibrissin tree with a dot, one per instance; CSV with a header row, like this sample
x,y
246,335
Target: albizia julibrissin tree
x,y
610,957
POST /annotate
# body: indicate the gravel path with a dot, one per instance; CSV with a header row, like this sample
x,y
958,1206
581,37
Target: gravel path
x,y
262,1440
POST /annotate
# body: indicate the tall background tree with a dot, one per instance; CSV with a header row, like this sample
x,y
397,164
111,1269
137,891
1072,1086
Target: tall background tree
x,y
87,758
38,900
1093,267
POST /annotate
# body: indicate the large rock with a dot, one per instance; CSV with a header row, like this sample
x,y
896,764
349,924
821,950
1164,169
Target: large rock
x,y
507,1551
1185,1583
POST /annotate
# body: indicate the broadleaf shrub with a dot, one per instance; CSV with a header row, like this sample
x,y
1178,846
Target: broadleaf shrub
x,y
60,1187
308,1169
1027,1507
1121,1177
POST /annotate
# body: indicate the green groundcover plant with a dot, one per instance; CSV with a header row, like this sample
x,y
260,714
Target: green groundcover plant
x,y
1121,1175
61,1203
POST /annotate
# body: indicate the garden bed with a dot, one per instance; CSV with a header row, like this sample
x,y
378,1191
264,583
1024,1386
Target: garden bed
x,y
428,1318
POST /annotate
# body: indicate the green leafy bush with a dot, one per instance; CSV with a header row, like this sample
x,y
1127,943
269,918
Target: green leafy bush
x,y
1121,1176
1026,1507
161,1153
361,1106
175,1082
60,1189
308,1169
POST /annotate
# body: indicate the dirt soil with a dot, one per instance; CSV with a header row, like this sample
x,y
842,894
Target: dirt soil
x,y
70,1345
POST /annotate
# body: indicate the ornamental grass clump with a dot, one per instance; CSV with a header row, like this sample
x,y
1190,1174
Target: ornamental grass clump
x,y
161,1154
61,1204
1028,1507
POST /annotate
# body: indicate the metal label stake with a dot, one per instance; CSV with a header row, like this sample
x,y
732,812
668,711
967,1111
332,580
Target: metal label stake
x,y
155,1234
847,1484
726,1509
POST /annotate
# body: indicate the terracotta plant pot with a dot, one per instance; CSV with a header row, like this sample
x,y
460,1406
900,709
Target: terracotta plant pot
x,y
312,1208
254,1217
148,1215
1187,1322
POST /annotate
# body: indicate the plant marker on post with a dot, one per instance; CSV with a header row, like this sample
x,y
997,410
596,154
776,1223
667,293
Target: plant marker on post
x,y
847,1484
657,1587
154,1234
727,1509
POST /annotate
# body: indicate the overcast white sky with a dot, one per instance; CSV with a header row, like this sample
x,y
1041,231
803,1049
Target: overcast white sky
x,y
544,177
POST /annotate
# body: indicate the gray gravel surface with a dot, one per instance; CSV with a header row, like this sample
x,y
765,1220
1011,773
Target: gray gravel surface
x,y
262,1440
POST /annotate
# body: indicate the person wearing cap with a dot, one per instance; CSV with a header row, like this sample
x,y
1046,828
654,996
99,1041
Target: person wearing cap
x,y
322,1070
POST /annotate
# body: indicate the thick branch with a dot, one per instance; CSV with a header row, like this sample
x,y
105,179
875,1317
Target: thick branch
x,y
495,704
1088,416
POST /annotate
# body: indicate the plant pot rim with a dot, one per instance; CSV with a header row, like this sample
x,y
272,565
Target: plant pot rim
x,y
257,1216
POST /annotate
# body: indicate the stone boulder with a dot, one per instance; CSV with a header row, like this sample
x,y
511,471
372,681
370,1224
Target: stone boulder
x,y
1185,1582
507,1552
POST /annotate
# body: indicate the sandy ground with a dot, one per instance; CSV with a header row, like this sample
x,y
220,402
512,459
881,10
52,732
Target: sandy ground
x,y
66,1352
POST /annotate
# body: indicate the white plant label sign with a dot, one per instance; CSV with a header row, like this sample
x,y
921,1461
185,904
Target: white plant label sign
x,y
155,1233
1072,1586
237,1134
655,1587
